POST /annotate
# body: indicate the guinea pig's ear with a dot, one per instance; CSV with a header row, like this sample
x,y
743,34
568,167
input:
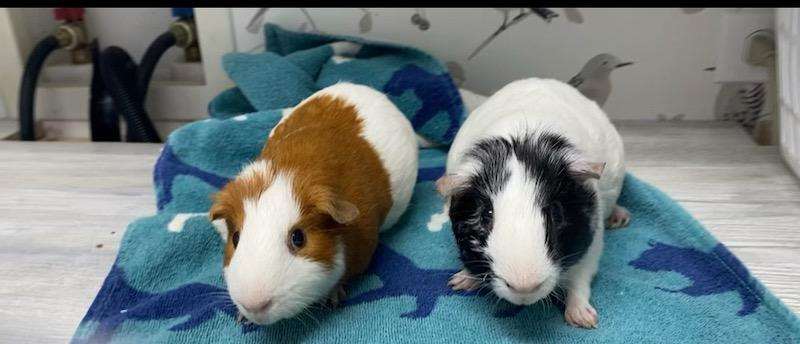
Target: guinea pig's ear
x,y
217,215
449,183
218,211
584,170
340,210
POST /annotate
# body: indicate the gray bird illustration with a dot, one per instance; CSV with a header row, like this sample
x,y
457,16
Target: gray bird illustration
x,y
743,102
593,79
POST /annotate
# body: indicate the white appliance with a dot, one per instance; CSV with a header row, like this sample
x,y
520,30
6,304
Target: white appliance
x,y
788,65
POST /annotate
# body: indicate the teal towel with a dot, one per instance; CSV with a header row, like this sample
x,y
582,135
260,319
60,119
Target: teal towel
x,y
662,279
296,64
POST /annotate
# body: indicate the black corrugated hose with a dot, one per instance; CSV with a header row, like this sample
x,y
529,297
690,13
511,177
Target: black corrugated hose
x,y
104,120
27,88
151,56
120,77
126,84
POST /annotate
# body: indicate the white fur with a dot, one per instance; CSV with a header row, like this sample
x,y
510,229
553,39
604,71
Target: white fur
x,y
263,268
257,169
516,214
390,134
222,228
580,275
543,104
471,100
546,103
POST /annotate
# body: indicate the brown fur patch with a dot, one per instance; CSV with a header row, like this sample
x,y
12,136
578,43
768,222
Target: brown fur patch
x,y
320,146
229,202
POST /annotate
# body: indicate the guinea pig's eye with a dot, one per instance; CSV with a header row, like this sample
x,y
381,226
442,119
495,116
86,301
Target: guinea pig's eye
x,y
235,239
297,239
487,216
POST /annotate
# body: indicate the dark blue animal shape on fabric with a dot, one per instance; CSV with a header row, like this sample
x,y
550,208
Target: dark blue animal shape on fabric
x,y
436,92
401,277
427,174
117,301
170,166
714,272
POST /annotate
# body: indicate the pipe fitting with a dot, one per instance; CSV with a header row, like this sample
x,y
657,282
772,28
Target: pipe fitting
x,y
185,32
71,36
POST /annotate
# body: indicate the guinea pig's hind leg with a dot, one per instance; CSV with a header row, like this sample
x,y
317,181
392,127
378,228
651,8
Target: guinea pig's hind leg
x,y
620,217
463,280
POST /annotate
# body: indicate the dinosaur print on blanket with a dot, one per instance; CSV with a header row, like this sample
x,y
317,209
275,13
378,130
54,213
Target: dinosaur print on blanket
x,y
711,273
428,88
170,166
401,277
117,301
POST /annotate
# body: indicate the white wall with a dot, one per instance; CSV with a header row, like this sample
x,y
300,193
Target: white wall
x,y
130,28
671,48
178,94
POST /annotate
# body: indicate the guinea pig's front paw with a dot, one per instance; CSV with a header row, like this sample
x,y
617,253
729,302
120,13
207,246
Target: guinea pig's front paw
x,y
463,280
336,296
620,217
581,314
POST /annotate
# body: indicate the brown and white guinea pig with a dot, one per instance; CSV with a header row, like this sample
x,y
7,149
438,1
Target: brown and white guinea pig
x,y
304,216
531,177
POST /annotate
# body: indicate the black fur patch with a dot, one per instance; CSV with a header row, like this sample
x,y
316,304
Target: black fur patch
x,y
568,205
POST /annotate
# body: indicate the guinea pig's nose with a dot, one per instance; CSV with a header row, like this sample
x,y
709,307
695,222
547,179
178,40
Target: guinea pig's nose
x,y
259,307
525,288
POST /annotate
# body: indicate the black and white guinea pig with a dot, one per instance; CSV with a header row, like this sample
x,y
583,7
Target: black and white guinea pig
x,y
532,176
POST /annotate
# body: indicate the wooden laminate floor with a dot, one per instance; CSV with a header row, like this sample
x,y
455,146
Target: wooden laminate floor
x,y
64,208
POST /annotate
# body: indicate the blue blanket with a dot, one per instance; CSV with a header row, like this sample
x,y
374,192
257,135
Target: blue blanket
x,y
662,279
295,65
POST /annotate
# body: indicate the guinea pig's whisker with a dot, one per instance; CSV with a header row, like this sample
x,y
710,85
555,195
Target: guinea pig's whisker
x,y
472,278
568,257
557,297
219,297
318,305
299,320
482,288
304,314
216,302
548,303
308,314
562,279
497,301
